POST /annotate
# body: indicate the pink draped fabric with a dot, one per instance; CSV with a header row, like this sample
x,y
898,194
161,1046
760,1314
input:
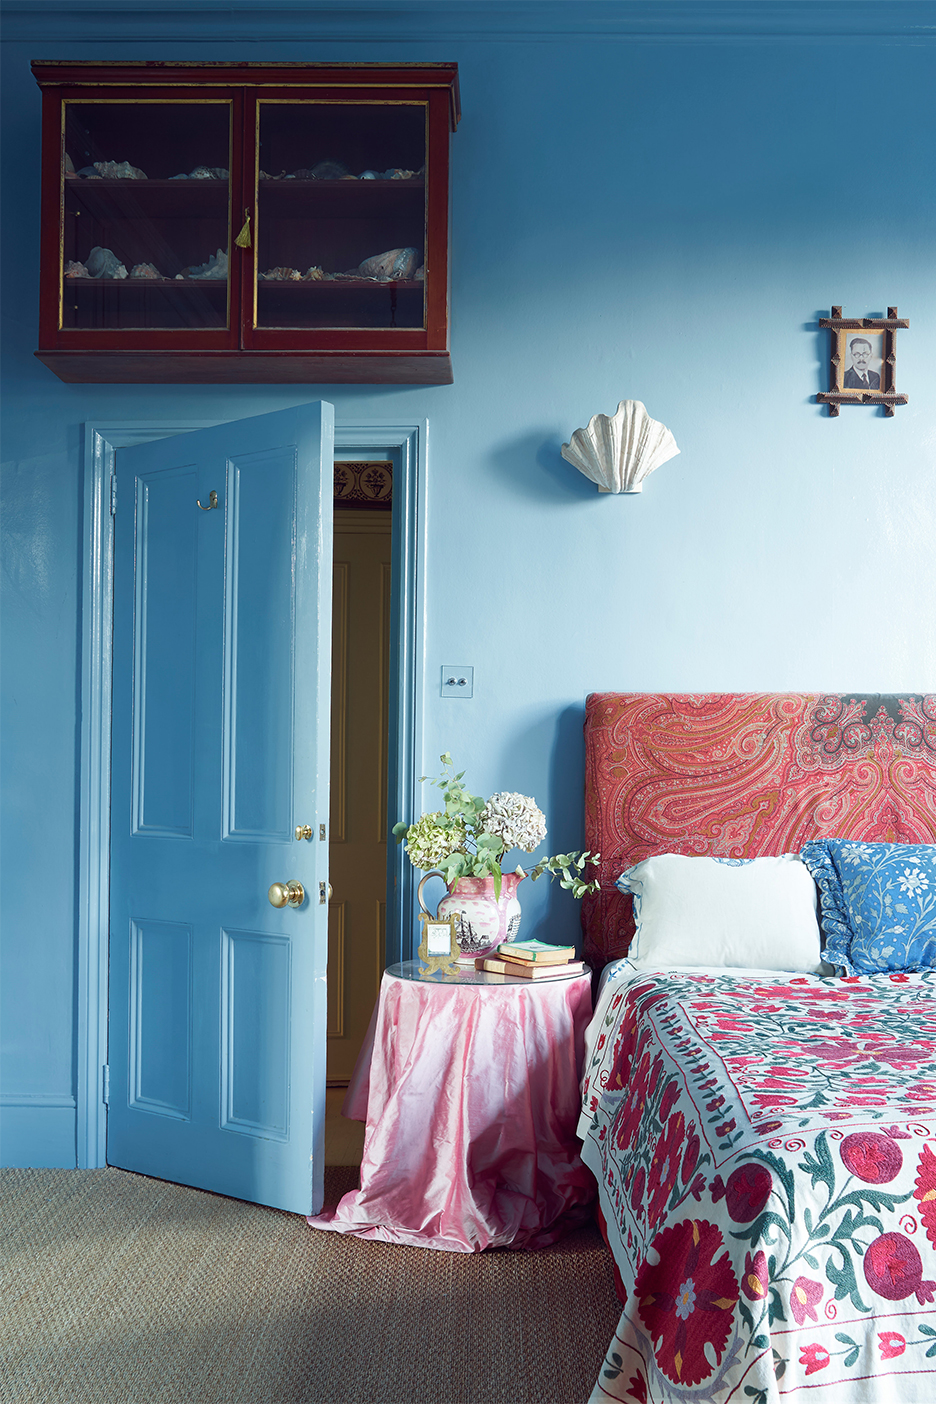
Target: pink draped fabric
x,y
471,1111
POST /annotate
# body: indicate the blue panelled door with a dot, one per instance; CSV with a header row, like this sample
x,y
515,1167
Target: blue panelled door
x,y
222,644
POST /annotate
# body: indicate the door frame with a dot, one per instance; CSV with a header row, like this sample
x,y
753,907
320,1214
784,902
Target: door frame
x,y
406,446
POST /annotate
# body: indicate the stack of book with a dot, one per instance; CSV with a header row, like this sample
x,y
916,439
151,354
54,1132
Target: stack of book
x,y
531,960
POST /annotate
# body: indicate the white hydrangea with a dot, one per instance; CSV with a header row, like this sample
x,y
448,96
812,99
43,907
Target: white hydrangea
x,y
427,844
517,819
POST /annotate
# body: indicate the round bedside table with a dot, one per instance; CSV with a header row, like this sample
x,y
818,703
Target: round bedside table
x,y
469,1085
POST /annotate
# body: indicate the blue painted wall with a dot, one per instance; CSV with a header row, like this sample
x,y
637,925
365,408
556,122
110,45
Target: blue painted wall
x,y
651,215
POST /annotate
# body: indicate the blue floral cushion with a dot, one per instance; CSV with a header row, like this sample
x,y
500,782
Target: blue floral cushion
x,y
878,904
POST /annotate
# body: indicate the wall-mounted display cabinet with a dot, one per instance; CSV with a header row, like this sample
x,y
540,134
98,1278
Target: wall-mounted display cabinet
x,y
246,222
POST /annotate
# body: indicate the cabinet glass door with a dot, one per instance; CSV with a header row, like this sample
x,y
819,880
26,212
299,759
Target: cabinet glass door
x,y
146,215
341,215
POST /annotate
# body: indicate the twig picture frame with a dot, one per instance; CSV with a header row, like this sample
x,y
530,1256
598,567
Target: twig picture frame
x,y
438,946
863,361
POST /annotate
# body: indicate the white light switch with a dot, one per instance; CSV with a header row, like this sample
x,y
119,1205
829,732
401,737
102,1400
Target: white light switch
x,y
457,680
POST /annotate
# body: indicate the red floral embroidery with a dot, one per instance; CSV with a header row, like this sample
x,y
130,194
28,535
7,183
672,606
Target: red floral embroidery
x,y
873,1158
638,1388
747,1191
804,1297
755,1281
925,1192
814,1357
894,1269
691,1157
687,1299
630,1113
892,1344
665,1166
637,1189
670,1098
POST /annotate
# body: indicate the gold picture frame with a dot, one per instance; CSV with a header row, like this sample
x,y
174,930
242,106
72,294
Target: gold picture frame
x,y
438,946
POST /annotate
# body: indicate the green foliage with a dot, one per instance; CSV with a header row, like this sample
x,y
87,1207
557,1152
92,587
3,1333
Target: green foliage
x,y
568,867
475,852
820,1166
854,1351
844,1281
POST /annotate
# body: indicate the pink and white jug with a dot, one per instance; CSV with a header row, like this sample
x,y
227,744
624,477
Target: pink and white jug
x,y
482,921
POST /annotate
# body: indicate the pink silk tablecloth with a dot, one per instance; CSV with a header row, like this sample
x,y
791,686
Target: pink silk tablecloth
x,y
471,1110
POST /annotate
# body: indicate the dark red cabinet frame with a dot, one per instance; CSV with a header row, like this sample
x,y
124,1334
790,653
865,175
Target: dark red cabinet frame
x,y
243,352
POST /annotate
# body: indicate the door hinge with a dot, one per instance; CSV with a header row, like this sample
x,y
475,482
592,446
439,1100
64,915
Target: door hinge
x,y
113,494
105,1084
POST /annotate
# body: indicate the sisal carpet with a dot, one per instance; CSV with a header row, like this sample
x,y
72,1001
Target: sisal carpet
x,y
120,1289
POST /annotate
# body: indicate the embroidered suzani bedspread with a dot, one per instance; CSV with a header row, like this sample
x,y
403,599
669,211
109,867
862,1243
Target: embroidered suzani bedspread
x,y
765,1148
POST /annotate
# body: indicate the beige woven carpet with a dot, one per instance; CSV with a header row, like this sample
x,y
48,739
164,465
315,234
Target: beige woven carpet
x,y
120,1289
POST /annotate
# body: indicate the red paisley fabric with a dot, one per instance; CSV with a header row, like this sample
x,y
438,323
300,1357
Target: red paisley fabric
x,y
744,775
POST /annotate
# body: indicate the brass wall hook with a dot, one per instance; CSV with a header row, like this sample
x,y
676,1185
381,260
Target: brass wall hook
x,y
212,501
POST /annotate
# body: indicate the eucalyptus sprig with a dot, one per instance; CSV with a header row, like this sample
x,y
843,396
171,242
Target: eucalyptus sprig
x,y
469,837
569,868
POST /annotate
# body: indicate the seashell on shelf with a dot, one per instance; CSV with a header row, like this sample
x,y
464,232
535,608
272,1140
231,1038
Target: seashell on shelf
x,y
619,451
215,267
118,170
145,270
75,270
329,169
104,263
204,173
395,263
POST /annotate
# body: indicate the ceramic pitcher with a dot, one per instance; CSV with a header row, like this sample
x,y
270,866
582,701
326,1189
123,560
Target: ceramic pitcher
x,y
482,921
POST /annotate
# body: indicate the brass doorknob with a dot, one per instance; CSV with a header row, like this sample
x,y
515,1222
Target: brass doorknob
x,y
287,894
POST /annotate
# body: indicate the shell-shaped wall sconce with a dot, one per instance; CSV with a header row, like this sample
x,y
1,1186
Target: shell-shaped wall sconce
x,y
617,452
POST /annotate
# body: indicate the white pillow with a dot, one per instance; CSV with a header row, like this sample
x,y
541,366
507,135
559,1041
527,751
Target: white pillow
x,y
759,913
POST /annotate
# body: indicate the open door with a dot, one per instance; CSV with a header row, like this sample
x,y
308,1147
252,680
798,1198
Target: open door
x,y
220,774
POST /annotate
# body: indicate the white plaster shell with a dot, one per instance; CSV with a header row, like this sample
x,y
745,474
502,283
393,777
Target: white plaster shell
x,y
617,452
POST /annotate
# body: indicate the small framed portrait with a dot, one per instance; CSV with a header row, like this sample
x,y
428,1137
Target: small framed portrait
x,y
861,359
438,948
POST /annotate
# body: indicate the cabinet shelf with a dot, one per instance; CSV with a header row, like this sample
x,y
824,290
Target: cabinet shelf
x,y
148,199
244,118
340,285
117,285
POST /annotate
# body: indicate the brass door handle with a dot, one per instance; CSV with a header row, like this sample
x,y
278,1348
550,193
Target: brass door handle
x,y
287,894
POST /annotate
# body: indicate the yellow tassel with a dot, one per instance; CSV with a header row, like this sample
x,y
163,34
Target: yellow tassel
x,y
243,239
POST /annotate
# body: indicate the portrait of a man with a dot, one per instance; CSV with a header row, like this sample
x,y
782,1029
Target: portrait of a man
x,y
863,353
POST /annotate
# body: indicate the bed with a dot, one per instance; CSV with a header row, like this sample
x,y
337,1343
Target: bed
x,y
764,1137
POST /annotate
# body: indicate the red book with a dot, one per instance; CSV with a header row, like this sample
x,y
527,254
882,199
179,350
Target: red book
x,y
538,970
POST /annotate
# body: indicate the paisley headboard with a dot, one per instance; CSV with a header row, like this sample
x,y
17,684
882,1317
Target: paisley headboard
x,y
740,775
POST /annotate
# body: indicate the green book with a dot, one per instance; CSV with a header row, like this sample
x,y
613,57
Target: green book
x,y
536,952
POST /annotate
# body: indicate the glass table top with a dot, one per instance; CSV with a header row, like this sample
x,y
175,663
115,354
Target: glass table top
x,y
467,975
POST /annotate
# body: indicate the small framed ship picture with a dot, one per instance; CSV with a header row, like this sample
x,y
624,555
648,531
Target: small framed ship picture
x,y
438,948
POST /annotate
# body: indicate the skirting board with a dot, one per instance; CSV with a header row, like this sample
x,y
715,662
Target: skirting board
x,y
39,1131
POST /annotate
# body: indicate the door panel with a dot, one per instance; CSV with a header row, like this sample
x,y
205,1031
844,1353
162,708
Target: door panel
x,y
220,749
259,607
160,1074
164,657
